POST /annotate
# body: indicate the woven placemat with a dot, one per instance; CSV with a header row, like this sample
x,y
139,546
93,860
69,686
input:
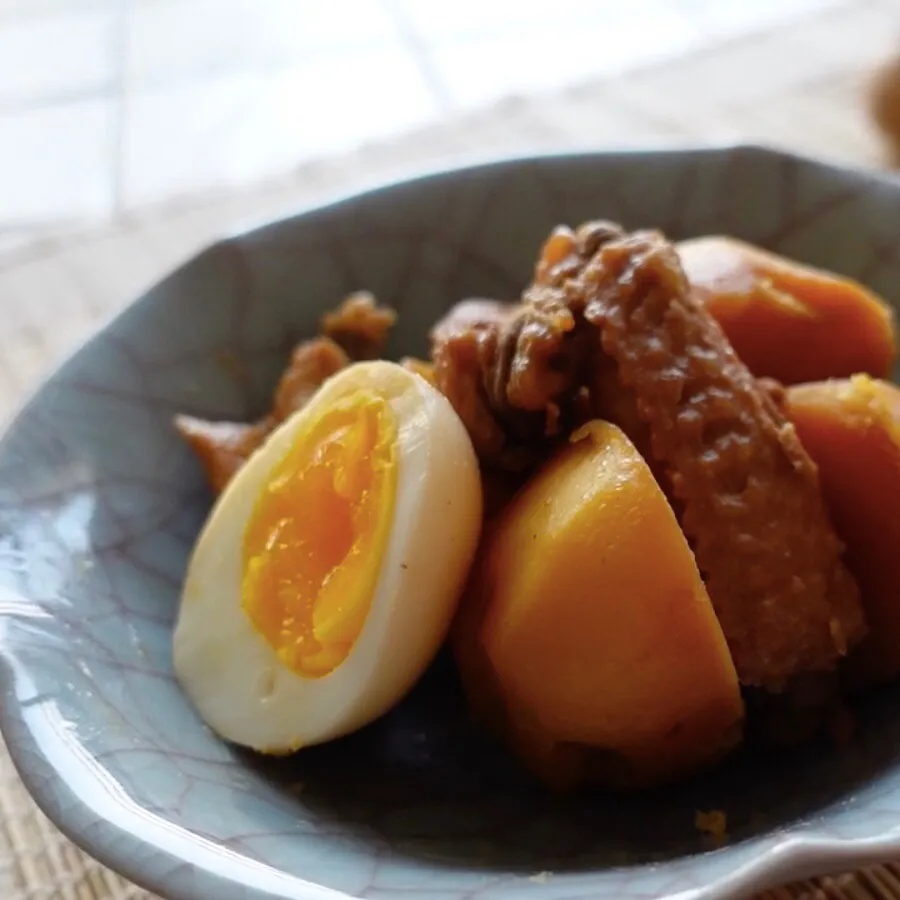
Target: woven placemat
x,y
801,88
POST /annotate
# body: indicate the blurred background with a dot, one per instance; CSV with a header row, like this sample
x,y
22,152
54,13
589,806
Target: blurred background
x,y
109,107
133,132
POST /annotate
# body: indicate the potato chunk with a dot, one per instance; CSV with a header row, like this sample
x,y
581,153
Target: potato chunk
x,y
851,428
786,320
587,638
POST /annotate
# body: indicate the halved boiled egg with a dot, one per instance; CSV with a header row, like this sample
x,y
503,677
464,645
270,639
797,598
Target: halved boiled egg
x,y
326,576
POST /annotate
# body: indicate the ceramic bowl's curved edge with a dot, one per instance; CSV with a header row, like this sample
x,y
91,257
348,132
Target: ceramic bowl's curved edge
x,y
795,859
459,164
86,826
469,163
161,871
116,847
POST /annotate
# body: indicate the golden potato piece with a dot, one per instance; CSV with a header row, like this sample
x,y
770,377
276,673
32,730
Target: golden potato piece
x,y
587,638
851,428
786,320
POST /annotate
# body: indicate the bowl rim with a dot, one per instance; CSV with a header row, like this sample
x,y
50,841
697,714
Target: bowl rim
x,y
125,852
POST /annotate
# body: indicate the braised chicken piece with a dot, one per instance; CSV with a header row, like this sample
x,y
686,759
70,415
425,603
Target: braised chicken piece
x,y
221,447
357,329
610,313
514,414
466,348
359,326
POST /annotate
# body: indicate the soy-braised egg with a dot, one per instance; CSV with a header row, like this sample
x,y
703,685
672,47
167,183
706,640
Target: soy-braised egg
x,y
328,571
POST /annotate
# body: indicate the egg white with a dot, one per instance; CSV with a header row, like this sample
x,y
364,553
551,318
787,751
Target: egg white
x,y
228,669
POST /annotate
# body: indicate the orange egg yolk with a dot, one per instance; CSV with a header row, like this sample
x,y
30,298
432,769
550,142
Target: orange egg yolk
x,y
315,539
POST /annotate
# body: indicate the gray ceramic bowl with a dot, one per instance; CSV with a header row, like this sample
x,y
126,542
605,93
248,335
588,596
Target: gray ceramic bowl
x,y
99,504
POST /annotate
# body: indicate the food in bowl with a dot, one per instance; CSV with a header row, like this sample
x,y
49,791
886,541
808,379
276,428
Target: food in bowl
x,y
662,571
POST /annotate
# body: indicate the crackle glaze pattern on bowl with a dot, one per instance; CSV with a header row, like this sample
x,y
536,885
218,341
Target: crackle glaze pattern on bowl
x,y
99,504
